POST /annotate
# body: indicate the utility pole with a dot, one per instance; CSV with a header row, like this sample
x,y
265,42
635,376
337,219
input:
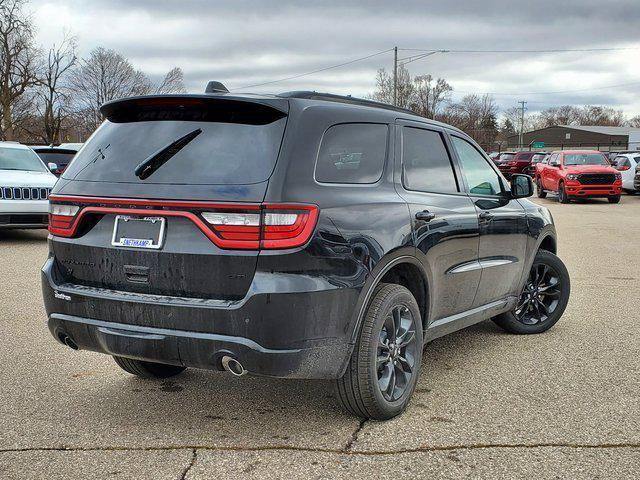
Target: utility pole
x,y
522,110
395,76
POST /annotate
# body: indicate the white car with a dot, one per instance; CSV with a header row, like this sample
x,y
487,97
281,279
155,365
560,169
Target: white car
x,y
25,184
626,164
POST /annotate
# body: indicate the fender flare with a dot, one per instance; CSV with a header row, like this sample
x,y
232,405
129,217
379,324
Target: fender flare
x,y
376,275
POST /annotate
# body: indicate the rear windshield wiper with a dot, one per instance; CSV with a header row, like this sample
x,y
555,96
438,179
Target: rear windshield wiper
x,y
145,169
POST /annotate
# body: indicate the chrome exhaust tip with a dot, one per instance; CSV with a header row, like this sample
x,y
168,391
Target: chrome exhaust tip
x,y
233,366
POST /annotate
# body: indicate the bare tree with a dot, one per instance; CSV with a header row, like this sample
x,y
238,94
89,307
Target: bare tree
x,y
602,116
476,115
634,121
430,95
18,60
53,102
173,82
384,88
105,75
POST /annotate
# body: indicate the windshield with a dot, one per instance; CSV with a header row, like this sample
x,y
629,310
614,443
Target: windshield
x,y
585,159
20,159
507,156
223,153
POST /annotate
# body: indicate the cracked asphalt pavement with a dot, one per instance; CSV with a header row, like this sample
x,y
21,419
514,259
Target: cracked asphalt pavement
x,y
565,404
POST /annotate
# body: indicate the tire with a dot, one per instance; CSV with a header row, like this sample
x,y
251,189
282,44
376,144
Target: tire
x,y
614,199
518,323
148,370
359,391
562,194
540,190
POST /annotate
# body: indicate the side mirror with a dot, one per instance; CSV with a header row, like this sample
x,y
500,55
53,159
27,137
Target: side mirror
x,y
521,186
53,167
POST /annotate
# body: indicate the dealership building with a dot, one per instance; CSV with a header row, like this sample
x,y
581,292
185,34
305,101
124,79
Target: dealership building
x,y
560,137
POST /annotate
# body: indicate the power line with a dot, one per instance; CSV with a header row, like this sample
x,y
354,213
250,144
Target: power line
x,y
552,50
316,71
550,93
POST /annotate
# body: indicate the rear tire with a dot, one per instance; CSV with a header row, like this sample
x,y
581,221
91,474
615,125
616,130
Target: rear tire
x,y
540,190
562,194
392,320
614,199
552,291
149,370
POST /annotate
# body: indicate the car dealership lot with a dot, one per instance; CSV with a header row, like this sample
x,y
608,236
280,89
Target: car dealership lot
x,y
488,404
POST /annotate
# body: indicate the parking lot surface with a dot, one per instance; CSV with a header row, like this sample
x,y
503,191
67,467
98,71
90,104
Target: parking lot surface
x,y
565,404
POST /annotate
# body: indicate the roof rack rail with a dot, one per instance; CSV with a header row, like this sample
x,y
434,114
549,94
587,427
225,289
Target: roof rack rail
x,y
312,95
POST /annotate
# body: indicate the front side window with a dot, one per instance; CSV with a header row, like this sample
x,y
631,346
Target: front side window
x,y
425,162
481,178
352,153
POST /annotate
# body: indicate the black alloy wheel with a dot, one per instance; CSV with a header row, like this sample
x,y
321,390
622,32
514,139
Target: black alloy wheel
x,y
540,296
543,299
396,353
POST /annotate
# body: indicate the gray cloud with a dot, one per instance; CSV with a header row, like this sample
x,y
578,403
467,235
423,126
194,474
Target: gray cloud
x,y
244,42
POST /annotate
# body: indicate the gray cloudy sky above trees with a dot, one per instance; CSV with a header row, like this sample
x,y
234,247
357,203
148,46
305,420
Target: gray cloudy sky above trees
x,y
243,42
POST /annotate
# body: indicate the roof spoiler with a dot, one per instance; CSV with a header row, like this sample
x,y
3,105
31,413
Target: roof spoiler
x,y
215,87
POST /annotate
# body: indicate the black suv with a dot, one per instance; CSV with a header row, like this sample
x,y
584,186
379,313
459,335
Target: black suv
x,y
300,235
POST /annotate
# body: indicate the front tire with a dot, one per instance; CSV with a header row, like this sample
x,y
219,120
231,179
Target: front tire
x,y
614,199
385,364
149,370
543,298
540,191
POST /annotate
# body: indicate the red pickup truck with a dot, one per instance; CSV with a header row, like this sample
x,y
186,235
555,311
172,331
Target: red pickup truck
x,y
578,174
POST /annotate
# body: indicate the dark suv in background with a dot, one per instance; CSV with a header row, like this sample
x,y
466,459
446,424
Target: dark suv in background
x,y
299,235
517,163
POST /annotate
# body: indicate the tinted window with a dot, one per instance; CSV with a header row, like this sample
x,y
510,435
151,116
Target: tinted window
x,y
426,162
525,156
352,153
223,153
481,178
60,159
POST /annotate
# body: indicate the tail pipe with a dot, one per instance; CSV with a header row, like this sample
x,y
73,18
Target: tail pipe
x,y
233,366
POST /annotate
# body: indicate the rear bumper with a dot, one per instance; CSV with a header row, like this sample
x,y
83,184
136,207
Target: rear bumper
x,y
296,334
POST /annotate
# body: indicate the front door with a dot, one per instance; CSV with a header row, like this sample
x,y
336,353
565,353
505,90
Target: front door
x,y
502,224
445,223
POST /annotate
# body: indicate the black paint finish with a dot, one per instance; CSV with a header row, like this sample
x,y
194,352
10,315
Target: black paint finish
x,y
292,313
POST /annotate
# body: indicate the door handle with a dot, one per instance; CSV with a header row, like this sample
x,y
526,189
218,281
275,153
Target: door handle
x,y
425,216
485,216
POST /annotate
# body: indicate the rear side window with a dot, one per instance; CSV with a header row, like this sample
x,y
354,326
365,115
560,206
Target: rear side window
x,y
352,153
525,156
426,163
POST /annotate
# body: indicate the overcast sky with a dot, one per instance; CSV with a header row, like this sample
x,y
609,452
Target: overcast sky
x,y
242,42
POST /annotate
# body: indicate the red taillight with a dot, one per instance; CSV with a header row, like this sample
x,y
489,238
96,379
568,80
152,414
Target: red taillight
x,y
276,226
229,226
61,219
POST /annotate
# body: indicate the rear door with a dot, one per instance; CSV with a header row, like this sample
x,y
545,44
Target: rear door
x,y
445,224
154,231
502,224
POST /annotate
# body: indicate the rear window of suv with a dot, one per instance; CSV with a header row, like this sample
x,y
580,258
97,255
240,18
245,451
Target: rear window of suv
x,y
237,144
352,153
